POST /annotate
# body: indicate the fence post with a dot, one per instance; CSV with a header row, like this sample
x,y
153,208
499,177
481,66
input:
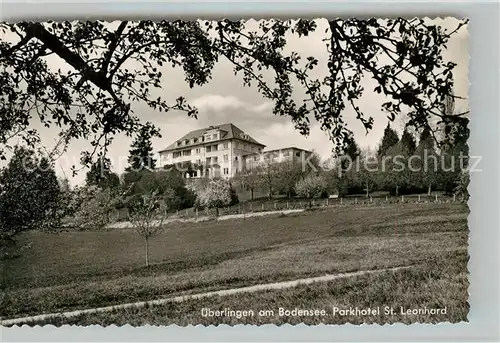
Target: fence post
x,y
341,201
419,198
196,212
262,206
275,205
300,204
402,198
250,207
371,200
386,198
326,201
287,205
187,212
454,197
436,197
356,200
313,203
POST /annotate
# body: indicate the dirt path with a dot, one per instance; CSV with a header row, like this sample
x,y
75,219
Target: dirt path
x,y
126,224
249,289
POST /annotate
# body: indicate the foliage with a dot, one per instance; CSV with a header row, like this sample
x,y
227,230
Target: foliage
x,y
268,172
408,142
141,152
93,207
100,174
168,183
148,217
368,175
118,63
310,186
247,179
217,194
396,172
288,173
29,194
461,189
389,140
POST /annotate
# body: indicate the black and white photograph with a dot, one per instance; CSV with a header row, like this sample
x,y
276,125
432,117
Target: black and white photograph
x,y
208,172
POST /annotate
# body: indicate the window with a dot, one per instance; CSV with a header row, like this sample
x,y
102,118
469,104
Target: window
x,y
177,154
236,158
208,148
179,143
214,147
226,146
186,141
297,154
214,136
226,157
215,159
197,150
226,171
195,140
186,153
245,147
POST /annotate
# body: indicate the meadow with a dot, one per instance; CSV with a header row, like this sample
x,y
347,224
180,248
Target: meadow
x,y
78,270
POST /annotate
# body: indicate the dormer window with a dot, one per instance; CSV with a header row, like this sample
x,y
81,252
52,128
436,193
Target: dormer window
x,y
186,141
195,140
179,143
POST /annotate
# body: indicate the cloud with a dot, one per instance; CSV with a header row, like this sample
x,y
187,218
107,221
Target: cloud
x,y
264,107
214,102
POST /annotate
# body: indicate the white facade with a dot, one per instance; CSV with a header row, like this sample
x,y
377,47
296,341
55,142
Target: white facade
x,y
210,155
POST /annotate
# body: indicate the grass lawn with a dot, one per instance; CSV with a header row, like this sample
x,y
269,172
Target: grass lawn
x,y
439,284
77,270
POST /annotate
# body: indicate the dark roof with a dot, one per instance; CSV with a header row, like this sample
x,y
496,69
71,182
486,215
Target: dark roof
x,y
229,132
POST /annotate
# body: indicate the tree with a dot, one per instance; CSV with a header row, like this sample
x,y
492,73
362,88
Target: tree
x,y
100,175
462,186
287,175
408,142
454,155
427,164
268,172
93,207
148,218
368,174
395,168
349,159
389,140
248,179
115,64
29,195
141,152
215,195
166,182
311,186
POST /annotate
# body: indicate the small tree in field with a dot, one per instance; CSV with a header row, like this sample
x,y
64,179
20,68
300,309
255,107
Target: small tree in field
x,y
311,186
148,218
217,194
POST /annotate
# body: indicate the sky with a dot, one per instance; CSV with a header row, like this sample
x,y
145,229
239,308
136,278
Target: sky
x,y
225,100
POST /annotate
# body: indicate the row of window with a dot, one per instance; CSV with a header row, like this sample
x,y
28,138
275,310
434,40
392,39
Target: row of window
x,y
215,147
196,140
